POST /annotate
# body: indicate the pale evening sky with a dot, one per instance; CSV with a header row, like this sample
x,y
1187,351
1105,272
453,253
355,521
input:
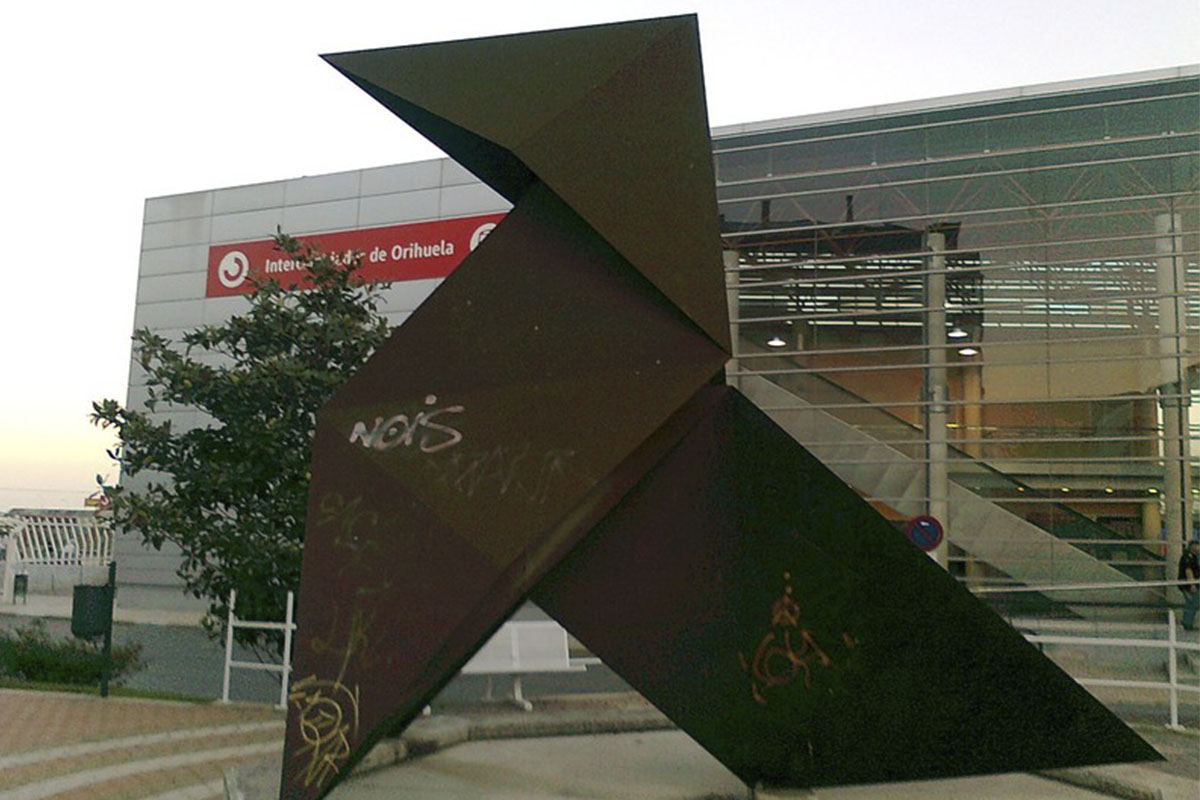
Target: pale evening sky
x,y
107,104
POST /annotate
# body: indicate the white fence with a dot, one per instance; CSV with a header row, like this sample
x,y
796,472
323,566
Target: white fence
x,y
517,648
520,647
1172,643
55,546
288,626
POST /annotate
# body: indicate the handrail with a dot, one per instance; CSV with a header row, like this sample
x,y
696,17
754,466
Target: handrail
x,y
1171,644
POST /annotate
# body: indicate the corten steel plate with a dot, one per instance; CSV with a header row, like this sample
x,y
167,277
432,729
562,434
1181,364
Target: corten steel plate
x,y
551,422
751,595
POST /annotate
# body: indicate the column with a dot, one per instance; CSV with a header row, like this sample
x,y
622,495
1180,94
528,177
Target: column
x,y
1172,344
729,258
937,481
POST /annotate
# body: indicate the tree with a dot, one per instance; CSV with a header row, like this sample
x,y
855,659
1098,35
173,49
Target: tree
x,y
232,494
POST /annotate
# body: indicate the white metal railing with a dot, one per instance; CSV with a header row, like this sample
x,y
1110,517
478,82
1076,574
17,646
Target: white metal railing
x,y
51,540
1172,644
60,538
288,626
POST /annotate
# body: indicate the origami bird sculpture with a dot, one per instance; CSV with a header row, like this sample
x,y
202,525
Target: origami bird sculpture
x,y
552,423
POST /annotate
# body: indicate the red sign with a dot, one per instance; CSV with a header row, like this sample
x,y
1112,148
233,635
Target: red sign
x,y
395,253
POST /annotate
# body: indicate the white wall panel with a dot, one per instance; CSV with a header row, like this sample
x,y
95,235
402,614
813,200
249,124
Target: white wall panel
x,y
175,233
246,226
184,286
249,198
389,209
455,174
136,400
178,206
321,188
171,260
171,314
211,358
476,198
338,215
396,318
137,377
172,334
181,420
141,565
402,177
404,296
219,309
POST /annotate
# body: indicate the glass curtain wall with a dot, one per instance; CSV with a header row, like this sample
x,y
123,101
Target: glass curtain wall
x,y
986,312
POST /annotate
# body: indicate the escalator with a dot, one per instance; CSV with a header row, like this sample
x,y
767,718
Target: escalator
x,y
882,456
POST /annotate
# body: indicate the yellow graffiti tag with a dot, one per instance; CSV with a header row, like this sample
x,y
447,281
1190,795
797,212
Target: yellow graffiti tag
x,y
327,716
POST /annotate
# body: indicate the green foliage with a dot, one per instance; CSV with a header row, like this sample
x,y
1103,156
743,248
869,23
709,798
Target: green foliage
x,y
232,494
28,653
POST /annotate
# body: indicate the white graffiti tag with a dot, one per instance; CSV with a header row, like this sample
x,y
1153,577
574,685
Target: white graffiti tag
x,y
403,430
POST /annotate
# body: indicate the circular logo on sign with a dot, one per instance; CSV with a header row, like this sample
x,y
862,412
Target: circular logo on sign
x,y
481,233
233,269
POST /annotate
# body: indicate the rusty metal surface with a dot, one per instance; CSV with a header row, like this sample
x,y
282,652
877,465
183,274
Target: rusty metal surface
x,y
554,409
754,598
611,117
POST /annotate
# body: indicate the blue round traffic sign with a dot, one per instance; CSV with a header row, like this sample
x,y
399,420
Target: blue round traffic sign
x,y
925,532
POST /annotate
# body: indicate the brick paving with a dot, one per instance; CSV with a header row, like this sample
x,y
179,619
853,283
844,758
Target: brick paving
x,y
70,747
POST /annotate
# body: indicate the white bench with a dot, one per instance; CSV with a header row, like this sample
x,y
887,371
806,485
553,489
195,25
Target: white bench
x,y
520,648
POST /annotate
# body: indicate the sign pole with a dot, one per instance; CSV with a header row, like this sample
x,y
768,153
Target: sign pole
x,y
106,662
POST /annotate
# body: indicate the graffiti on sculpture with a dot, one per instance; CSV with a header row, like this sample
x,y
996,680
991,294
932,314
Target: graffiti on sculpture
x,y
552,422
788,651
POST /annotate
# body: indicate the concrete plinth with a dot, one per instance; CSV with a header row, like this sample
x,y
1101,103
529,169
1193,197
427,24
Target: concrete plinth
x,y
768,792
429,734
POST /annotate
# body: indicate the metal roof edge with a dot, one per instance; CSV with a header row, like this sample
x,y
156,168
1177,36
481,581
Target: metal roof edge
x,y
951,101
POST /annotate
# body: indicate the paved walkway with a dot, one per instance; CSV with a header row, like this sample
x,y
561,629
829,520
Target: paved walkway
x,y
70,747
660,765
130,608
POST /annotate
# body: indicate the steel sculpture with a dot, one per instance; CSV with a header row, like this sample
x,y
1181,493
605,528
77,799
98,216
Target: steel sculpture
x,y
552,423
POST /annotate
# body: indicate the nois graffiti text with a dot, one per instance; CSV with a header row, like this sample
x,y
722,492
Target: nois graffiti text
x,y
404,430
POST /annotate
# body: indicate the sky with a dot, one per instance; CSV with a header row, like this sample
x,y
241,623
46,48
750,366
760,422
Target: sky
x,y
106,104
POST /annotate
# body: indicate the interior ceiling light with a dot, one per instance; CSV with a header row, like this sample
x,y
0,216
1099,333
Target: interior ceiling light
x,y
1152,490
1108,490
968,351
1066,489
957,333
775,341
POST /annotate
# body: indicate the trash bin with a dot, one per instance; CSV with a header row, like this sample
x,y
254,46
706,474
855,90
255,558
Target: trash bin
x,y
90,610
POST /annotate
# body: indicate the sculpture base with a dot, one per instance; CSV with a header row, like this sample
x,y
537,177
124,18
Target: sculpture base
x,y
771,792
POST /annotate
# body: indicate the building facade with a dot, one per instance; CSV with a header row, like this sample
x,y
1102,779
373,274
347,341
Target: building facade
x,y
982,308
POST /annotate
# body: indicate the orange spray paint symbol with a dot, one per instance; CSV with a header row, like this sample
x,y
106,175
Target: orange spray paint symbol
x,y
787,651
